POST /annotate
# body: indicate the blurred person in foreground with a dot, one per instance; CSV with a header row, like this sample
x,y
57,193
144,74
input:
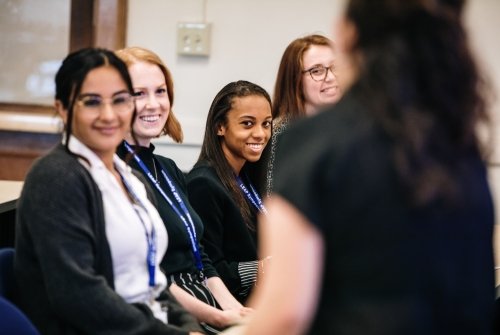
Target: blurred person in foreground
x,y
383,223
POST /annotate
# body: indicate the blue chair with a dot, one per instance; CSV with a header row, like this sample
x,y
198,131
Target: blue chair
x,y
13,321
7,284
497,312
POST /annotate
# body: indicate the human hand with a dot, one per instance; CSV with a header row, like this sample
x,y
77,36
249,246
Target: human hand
x,y
195,333
232,316
246,311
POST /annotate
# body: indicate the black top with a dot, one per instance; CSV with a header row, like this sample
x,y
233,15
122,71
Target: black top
x,y
229,243
389,268
179,256
63,263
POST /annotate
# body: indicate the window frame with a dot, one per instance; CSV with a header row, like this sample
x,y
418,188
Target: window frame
x,y
93,23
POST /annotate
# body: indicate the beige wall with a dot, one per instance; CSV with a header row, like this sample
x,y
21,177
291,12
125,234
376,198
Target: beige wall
x,y
248,39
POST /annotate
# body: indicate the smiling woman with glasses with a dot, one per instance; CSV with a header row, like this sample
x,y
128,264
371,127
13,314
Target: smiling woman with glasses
x,y
306,82
89,240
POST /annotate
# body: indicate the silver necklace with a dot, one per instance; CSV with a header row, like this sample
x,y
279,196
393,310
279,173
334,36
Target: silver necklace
x,y
154,167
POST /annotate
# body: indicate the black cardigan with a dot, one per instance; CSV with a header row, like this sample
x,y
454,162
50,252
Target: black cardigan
x,y
63,263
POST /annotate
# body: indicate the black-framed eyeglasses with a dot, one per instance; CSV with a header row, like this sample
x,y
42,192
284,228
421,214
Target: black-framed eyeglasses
x,y
319,72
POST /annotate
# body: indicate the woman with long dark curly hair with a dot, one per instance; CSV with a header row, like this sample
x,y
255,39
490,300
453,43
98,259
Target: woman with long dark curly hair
x,y
382,221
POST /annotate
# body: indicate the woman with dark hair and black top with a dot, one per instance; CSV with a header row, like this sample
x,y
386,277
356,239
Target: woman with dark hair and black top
x,y
382,221
191,277
224,187
89,240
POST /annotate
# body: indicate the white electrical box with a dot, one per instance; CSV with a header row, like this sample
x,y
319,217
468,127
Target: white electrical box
x,y
193,38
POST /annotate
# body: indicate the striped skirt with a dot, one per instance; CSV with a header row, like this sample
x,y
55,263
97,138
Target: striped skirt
x,y
191,283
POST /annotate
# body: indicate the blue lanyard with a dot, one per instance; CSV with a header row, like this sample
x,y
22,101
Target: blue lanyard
x,y
251,195
190,228
150,237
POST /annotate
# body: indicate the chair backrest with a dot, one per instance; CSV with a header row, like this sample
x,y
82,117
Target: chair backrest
x,y
496,327
13,321
7,284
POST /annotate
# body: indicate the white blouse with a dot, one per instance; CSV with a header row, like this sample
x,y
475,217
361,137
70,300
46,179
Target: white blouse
x,y
126,233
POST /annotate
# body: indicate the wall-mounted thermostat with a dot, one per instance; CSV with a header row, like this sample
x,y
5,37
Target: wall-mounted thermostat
x,y
193,38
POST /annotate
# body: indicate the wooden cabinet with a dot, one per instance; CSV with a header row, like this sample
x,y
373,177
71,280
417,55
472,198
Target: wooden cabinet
x,y
19,149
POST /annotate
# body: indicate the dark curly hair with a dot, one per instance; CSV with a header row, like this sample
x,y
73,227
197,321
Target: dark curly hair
x,y
418,78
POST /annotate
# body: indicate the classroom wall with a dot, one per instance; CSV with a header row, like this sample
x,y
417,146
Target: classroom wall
x,y
247,41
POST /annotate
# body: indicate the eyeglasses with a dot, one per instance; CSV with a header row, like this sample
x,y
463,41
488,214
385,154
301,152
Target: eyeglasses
x,y
120,103
319,72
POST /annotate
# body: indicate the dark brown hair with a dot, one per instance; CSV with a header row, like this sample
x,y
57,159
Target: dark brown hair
x,y
211,149
72,73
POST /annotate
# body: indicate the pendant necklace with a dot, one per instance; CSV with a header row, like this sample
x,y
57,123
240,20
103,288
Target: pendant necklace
x,y
154,168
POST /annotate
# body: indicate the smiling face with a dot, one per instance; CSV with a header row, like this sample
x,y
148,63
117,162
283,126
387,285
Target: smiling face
x,y
152,102
319,93
101,129
246,131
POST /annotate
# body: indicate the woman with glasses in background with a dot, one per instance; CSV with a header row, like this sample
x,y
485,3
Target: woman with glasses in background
x,y
306,82
191,277
88,240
